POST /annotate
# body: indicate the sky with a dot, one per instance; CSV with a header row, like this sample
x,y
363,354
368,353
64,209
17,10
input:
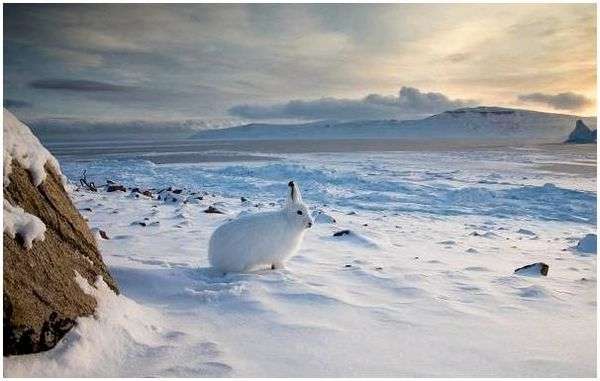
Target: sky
x,y
226,62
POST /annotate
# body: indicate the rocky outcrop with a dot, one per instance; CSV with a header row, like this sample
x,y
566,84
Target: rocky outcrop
x,y
582,134
534,269
41,298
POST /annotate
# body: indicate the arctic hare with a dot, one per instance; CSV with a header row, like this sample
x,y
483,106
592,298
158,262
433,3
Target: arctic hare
x,y
260,239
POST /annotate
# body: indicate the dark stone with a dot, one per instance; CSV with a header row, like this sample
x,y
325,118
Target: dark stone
x,y
341,233
348,266
243,199
212,209
543,268
114,188
177,191
103,234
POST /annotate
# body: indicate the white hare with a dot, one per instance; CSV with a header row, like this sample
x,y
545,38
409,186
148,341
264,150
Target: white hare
x,y
266,239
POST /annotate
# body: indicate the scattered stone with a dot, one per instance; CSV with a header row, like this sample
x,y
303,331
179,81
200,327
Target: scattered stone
x,y
243,199
145,223
114,188
353,213
533,269
526,232
212,209
177,191
86,209
103,234
341,233
471,250
348,266
378,268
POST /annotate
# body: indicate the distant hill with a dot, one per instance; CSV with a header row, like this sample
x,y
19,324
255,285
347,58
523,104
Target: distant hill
x,y
479,123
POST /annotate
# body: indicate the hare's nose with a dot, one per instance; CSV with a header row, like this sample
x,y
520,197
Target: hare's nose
x,y
310,224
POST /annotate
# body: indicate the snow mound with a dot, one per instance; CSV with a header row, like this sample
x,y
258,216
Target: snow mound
x,y
123,338
320,217
25,225
587,244
21,144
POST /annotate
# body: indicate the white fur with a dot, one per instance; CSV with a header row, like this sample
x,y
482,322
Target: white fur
x,y
266,239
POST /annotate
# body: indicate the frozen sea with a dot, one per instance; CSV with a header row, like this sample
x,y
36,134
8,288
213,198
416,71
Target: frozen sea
x,y
423,287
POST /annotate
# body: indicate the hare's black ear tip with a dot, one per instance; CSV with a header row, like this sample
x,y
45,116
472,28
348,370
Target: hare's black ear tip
x,y
291,184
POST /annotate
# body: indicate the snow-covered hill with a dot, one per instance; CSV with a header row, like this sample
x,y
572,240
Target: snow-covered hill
x,y
480,123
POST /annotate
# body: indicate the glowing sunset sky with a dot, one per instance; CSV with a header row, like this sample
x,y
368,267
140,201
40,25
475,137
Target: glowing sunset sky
x,y
250,61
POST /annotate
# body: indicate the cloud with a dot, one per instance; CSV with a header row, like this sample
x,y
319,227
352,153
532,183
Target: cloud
x,y
562,101
410,103
16,103
77,85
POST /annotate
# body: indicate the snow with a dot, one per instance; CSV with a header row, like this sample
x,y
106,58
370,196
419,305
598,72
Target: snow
x,y
25,225
587,244
429,298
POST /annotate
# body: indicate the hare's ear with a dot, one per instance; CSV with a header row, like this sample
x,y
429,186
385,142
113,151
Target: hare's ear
x,y
294,196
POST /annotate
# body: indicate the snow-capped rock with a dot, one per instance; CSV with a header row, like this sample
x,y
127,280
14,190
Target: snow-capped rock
x,y
46,241
582,134
534,269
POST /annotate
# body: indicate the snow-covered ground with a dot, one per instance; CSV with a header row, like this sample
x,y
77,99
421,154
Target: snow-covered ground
x,y
423,285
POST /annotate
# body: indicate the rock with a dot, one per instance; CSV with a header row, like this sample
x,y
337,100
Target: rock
x,y
526,232
41,298
587,244
582,134
114,188
243,199
177,191
348,266
103,234
341,233
212,209
534,269
145,223
146,193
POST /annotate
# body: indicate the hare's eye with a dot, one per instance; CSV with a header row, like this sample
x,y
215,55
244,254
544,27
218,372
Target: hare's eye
x,y
299,212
